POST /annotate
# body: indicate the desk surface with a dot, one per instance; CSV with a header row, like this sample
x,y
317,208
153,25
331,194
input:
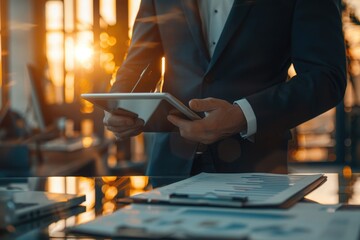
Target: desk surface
x,y
102,192
34,160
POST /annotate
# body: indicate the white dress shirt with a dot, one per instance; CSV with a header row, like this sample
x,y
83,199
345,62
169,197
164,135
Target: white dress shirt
x,y
214,14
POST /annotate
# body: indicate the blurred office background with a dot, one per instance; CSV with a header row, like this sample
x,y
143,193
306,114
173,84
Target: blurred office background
x,y
54,50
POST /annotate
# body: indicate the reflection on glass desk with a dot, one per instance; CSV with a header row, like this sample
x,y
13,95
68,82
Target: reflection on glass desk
x,y
57,157
102,194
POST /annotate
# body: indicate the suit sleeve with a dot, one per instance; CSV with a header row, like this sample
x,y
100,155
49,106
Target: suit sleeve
x,y
145,49
318,55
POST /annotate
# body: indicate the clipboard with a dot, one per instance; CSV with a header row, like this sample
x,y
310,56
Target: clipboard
x,y
153,108
233,190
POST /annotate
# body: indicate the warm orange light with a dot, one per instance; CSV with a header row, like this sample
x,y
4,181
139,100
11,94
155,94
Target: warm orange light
x,y
109,179
109,67
327,194
86,216
71,186
84,14
87,142
113,76
84,51
108,207
87,127
347,172
111,193
133,9
112,161
160,84
69,87
138,148
163,69
56,185
69,16
54,15
87,107
69,54
138,182
55,56
87,187
111,41
106,57
291,71
55,46
104,36
108,11
84,54
312,154
56,226
104,188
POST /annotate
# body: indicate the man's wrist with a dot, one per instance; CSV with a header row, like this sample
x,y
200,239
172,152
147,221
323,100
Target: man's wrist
x,y
250,117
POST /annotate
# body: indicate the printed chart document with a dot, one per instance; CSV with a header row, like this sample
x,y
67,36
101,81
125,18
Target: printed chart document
x,y
234,190
308,221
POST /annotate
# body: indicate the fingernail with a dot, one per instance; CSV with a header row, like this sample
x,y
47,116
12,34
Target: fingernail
x,y
193,104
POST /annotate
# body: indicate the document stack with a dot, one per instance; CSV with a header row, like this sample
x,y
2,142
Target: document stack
x,y
229,206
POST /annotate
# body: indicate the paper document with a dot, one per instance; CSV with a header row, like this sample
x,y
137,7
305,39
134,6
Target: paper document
x,y
303,221
235,190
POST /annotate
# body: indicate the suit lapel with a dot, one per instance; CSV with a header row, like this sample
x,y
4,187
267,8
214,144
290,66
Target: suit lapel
x,y
236,17
193,19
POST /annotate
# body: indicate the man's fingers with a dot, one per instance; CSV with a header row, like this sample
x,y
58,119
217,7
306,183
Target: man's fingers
x,y
128,133
119,121
222,120
120,130
177,121
184,126
204,105
188,129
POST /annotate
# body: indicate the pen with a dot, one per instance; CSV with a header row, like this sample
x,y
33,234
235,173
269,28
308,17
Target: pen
x,y
145,72
217,197
129,200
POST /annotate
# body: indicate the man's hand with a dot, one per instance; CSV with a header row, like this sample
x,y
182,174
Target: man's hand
x,y
222,119
123,126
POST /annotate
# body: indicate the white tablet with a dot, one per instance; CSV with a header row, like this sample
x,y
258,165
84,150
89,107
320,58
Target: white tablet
x,y
153,108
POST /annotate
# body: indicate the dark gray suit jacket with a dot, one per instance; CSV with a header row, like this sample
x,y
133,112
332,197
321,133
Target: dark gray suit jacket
x,y
260,40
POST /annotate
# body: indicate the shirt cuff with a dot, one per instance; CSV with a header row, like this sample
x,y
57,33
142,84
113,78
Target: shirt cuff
x,y
249,116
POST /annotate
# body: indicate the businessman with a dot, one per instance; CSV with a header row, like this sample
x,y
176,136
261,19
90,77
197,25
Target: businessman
x,y
229,59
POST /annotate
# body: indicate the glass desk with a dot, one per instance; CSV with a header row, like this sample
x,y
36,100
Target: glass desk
x,y
102,194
